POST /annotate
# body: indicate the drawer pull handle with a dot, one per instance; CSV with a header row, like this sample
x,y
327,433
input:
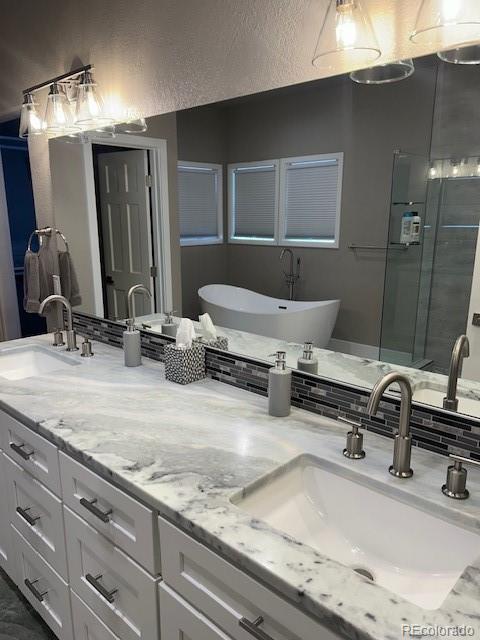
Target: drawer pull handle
x,y
94,581
253,628
30,584
89,505
19,449
26,516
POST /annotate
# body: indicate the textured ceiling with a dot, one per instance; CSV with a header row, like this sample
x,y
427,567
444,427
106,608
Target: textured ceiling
x,y
162,55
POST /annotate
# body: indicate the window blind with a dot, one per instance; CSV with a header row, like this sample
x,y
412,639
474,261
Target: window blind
x,y
254,201
199,191
311,199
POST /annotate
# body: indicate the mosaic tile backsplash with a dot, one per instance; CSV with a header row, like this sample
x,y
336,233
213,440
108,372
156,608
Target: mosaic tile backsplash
x,y
432,429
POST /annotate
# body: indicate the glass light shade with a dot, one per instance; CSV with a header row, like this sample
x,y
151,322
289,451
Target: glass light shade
x,y
58,115
346,38
447,23
134,123
30,122
462,55
384,73
90,111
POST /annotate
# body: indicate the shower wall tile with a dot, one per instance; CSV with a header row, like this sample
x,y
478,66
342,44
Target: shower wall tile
x,y
432,429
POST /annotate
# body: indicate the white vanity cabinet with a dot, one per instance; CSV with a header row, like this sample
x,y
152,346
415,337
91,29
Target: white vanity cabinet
x,y
5,532
236,603
98,564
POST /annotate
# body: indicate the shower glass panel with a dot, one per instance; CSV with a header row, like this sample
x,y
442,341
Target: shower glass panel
x,y
457,200
407,274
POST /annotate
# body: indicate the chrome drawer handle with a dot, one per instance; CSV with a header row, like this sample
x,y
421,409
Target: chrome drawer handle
x,y
18,448
89,505
253,628
36,593
26,516
94,581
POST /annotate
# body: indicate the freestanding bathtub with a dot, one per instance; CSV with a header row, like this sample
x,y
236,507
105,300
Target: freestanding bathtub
x,y
288,320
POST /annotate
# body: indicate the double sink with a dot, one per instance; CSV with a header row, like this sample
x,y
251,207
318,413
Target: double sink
x,y
361,523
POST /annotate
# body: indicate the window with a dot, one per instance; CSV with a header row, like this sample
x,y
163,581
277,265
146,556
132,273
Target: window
x,y
200,203
291,201
253,202
310,200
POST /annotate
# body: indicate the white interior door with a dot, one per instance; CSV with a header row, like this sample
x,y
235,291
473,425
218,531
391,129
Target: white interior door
x,y
126,229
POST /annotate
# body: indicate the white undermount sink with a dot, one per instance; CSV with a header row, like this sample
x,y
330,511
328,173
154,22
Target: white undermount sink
x,y
18,363
345,517
434,397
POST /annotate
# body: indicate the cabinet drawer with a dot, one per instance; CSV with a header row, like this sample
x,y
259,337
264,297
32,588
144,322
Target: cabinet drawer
x,y
32,452
181,620
228,596
37,513
86,625
118,590
6,562
43,587
127,523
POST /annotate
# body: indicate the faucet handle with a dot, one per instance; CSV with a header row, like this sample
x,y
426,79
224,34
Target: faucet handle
x,y
354,449
455,486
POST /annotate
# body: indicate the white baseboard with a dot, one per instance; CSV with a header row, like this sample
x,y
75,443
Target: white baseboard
x,y
354,348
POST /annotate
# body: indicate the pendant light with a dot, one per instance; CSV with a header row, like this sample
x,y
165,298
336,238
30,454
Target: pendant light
x,y
30,122
447,23
346,37
462,55
90,110
384,73
58,115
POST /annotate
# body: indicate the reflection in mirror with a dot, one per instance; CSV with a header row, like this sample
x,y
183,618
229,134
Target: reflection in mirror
x,y
338,213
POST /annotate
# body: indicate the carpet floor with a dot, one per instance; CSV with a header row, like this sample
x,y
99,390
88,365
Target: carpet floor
x,y
18,621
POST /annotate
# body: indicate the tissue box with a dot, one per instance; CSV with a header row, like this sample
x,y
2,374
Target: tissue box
x,y
184,365
220,342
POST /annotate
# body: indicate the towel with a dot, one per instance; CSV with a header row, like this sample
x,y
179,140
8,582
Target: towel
x,y
47,267
31,282
68,278
38,275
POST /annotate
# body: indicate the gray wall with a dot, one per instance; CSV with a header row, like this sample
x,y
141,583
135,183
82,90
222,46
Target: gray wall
x,y
368,124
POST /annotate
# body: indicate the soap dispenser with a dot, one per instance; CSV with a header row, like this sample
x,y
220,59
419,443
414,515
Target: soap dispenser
x,y
132,346
169,327
279,387
307,362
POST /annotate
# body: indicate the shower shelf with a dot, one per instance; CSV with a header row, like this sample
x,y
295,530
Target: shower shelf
x,y
359,247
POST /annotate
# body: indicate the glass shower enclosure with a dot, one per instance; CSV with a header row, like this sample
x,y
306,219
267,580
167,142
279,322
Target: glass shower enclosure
x,y
428,285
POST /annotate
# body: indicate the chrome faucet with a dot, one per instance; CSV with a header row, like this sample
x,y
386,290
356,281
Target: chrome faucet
x,y
403,440
137,288
292,276
71,336
461,350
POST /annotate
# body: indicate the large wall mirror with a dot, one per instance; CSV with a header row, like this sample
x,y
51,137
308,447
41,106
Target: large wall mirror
x,y
339,213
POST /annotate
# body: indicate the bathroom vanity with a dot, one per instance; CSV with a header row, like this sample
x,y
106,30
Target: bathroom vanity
x,y
134,508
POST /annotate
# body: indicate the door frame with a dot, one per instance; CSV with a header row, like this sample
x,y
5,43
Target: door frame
x,y
159,208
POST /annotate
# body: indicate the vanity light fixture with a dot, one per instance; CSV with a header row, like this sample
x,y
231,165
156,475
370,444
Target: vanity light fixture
x,y
30,122
75,91
384,73
461,55
90,110
447,23
346,37
58,114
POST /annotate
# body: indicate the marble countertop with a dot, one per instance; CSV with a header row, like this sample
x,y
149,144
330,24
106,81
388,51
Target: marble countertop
x,y
187,450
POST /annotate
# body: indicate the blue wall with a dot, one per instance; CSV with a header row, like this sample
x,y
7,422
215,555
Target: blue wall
x,y
21,211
